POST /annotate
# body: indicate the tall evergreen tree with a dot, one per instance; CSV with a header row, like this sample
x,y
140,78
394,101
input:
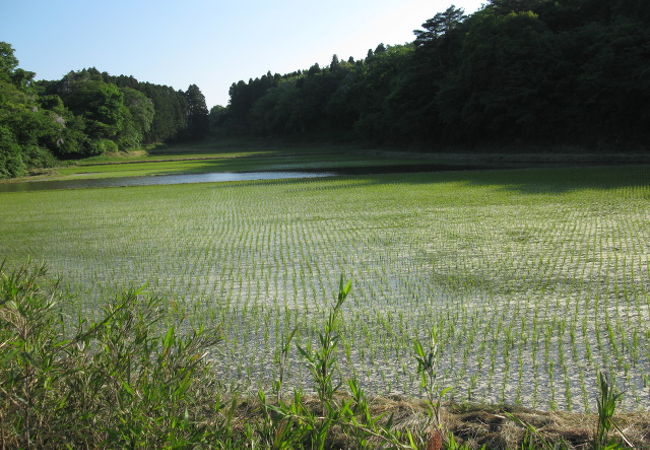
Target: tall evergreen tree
x,y
197,113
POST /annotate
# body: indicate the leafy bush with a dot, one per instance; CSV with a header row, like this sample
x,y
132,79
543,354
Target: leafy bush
x,y
111,382
11,161
38,156
101,146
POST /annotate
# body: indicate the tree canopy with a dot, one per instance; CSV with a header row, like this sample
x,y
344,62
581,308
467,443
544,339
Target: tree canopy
x,y
197,113
535,71
515,71
86,113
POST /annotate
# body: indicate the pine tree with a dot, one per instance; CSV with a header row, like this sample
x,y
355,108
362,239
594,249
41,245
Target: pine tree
x,y
197,113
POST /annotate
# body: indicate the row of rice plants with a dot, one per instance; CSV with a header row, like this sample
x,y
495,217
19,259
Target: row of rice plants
x,y
533,287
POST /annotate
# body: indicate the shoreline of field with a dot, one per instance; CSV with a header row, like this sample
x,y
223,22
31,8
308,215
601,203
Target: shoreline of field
x,y
241,155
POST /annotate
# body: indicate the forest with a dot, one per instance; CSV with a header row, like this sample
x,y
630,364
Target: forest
x,y
87,113
573,72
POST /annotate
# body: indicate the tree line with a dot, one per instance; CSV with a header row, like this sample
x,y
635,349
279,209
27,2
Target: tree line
x,y
516,71
87,113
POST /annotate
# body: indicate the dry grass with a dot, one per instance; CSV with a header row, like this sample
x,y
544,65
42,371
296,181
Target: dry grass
x,y
478,426
493,426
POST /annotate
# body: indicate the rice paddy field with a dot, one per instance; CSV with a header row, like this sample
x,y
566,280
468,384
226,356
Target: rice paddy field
x,y
535,279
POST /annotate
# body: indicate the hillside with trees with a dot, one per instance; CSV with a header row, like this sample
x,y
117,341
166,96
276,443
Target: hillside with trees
x,y
87,113
516,71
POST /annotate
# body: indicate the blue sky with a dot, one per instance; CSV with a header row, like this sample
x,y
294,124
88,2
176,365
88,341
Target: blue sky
x,y
209,43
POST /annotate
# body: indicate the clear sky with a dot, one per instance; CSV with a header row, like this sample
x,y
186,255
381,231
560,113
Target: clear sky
x,y
209,43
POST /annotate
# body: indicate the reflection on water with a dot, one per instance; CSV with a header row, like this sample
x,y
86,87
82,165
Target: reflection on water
x,y
154,180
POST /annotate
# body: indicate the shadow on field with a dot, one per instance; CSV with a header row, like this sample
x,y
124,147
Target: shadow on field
x,y
562,180
354,173
526,181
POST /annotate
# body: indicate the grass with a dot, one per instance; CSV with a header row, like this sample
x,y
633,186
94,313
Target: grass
x,y
227,163
114,381
237,154
211,156
533,279
128,379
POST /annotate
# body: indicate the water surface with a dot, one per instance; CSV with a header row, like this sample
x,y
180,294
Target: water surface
x,y
157,180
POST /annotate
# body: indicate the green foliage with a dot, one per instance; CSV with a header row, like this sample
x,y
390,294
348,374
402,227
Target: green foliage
x,y
101,146
439,27
566,72
11,158
113,381
197,113
216,117
74,142
101,105
131,378
76,116
428,371
499,89
8,61
321,361
27,130
141,112
294,424
125,380
170,116
242,98
606,406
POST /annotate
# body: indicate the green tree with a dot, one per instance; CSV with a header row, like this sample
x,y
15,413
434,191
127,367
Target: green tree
x,y
217,117
335,64
141,108
197,113
11,158
140,117
27,130
536,71
101,105
440,25
8,62
170,112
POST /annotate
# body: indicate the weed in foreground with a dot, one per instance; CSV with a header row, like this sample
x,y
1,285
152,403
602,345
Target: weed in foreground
x,y
427,361
606,406
115,381
335,418
126,380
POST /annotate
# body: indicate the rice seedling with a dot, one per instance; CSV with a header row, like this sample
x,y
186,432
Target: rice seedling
x,y
535,279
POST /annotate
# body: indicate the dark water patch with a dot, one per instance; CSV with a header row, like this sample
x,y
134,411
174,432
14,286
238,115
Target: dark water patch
x,y
158,180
